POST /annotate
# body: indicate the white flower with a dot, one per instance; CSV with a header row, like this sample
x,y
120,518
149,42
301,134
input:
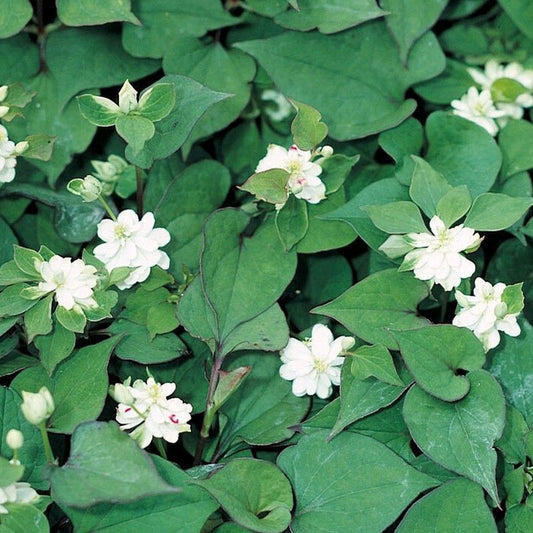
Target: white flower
x,y
485,313
436,256
8,156
18,492
314,364
514,71
130,242
152,414
478,108
303,173
283,107
72,282
4,109
37,406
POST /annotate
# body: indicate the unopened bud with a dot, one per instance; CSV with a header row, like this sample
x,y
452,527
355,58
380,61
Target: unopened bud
x,y
21,147
37,406
14,439
326,151
3,92
127,98
120,392
89,188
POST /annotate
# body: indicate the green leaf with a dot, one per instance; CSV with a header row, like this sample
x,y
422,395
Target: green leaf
x,y
11,301
397,217
428,187
184,205
161,319
94,12
157,101
21,58
408,20
137,346
39,147
292,222
192,101
405,139
356,473
270,186
135,130
258,269
227,384
494,211
38,319
31,455
457,506
307,129
512,441
16,14
521,13
105,465
335,170
22,518
329,16
98,110
9,473
374,361
519,519
370,316
359,398
7,240
254,493
55,347
158,513
228,71
373,80
463,152
515,140
159,22
71,319
263,409
436,353
26,260
454,205
460,435
512,366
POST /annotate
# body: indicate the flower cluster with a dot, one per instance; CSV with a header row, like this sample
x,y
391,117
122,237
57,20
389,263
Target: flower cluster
x,y
435,256
505,93
18,492
314,365
134,243
486,314
145,407
303,181
71,281
9,151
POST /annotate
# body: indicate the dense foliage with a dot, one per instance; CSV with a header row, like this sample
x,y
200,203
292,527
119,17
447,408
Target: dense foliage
x,y
266,265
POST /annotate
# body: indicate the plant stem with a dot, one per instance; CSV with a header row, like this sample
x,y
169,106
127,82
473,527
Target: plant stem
x,y
46,442
139,175
41,36
208,418
160,448
444,304
107,208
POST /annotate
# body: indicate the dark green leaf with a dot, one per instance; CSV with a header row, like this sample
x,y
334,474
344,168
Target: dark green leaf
x,y
307,129
397,217
94,12
292,221
55,347
16,14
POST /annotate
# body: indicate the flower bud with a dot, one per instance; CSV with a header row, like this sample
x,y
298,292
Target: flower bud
x,y
120,392
37,406
14,439
4,110
326,151
21,147
3,92
89,188
127,98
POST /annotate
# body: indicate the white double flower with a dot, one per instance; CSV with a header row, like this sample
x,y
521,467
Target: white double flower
x,y
130,242
148,410
9,151
314,365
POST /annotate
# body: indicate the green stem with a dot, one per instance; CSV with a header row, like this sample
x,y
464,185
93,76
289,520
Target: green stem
x,y
444,297
107,208
46,443
160,447
139,176
208,415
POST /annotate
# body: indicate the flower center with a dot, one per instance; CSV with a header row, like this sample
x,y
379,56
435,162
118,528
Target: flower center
x,y
294,166
121,232
153,392
58,279
320,366
443,239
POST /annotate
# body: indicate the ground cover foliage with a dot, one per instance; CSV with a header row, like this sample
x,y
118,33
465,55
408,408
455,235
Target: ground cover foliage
x,y
266,265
